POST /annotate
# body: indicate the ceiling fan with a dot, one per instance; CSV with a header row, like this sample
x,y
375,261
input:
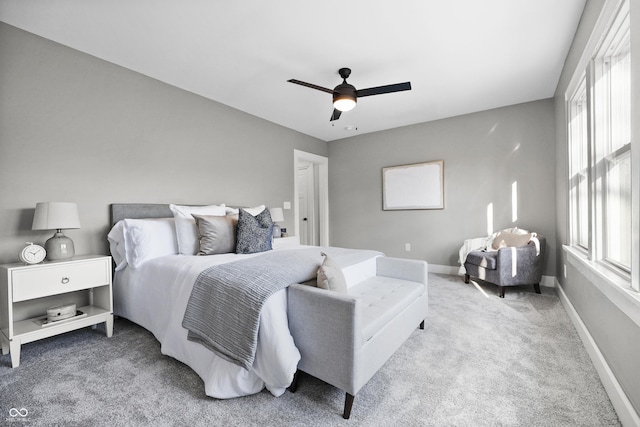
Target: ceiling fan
x,y
345,95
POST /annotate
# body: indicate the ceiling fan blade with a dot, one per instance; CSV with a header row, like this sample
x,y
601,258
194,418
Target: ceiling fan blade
x,y
379,90
335,115
312,86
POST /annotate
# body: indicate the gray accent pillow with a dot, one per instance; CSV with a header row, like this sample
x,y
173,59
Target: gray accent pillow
x,y
217,234
255,233
330,275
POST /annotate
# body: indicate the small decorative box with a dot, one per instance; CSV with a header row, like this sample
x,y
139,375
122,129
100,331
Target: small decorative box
x,y
61,312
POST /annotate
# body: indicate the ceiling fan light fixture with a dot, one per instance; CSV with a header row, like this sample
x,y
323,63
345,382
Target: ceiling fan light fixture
x,y
344,97
344,103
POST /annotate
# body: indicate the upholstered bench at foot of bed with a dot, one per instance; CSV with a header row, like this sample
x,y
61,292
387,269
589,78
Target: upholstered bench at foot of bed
x,y
344,339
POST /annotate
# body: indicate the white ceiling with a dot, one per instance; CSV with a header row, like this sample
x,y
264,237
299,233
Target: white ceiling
x,y
460,56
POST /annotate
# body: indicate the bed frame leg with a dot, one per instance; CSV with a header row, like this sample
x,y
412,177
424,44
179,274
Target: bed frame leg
x,y
348,404
294,384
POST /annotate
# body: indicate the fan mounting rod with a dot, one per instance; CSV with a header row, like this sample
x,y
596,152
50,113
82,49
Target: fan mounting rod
x,y
344,73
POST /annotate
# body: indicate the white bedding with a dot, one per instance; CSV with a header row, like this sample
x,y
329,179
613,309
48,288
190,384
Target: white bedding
x,y
155,296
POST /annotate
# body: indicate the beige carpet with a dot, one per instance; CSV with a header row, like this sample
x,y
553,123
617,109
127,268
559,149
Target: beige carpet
x,y
481,361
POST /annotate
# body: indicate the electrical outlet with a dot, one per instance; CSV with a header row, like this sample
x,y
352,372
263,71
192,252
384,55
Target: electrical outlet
x,y
407,247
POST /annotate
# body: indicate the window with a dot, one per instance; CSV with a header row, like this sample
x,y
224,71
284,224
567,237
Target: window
x,y
599,128
579,167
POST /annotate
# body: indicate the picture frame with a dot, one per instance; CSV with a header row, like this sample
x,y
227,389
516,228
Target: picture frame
x,y
413,186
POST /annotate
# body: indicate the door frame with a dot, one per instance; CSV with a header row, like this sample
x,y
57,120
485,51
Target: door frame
x,y
323,192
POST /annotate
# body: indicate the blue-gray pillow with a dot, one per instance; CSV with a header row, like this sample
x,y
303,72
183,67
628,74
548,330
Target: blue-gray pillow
x,y
255,233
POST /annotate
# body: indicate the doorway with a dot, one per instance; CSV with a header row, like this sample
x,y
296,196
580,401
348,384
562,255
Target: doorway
x,y
308,204
311,202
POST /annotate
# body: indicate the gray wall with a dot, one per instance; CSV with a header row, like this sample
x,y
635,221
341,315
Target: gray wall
x,y
483,153
615,333
76,128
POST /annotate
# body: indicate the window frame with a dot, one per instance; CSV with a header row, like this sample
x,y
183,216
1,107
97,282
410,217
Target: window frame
x,y
578,166
612,37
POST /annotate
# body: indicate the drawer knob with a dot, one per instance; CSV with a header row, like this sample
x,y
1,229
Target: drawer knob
x,y
65,280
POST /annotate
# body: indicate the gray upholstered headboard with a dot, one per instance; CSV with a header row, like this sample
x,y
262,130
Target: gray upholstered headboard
x,y
138,211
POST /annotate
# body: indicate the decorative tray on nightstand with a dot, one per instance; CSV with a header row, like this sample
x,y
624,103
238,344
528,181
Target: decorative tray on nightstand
x,y
44,322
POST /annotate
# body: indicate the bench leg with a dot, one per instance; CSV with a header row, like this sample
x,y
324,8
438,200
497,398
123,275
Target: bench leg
x,y
348,400
501,293
537,288
466,278
348,403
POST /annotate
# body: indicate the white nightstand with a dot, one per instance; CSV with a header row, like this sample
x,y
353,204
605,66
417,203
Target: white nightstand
x,y
26,291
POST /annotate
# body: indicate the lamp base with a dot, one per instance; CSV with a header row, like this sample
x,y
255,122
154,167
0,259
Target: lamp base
x,y
59,247
277,232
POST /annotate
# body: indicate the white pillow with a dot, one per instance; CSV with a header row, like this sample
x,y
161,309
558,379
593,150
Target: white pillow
x,y
330,276
255,211
505,239
145,239
231,211
186,229
116,245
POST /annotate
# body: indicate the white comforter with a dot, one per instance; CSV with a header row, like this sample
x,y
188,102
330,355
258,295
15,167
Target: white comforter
x,y
155,296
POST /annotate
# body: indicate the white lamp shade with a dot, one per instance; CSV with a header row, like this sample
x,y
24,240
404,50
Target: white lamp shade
x,y
276,214
344,104
55,215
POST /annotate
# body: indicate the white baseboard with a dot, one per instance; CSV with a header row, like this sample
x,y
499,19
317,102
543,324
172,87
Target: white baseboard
x,y
624,408
548,281
443,269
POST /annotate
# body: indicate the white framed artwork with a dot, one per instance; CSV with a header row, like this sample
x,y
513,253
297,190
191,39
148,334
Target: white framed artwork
x,y
415,186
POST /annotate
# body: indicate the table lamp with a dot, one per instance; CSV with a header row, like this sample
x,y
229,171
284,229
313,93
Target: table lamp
x,y
277,215
57,216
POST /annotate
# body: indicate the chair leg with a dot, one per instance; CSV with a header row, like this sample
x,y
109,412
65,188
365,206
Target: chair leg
x,y
466,278
501,293
537,288
348,403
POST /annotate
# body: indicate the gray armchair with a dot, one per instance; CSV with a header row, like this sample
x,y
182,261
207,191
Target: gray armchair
x,y
508,266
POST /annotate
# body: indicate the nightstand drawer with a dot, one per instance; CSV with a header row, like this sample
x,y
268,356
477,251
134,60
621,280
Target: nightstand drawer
x,y
56,279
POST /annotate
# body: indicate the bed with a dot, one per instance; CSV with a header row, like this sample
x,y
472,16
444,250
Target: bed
x,y
153,282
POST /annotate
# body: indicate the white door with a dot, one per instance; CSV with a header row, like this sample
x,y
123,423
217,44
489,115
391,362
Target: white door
x,y
311,190
306,204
